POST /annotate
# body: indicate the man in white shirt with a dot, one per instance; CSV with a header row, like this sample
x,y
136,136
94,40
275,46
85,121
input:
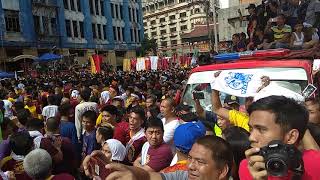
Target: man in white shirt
x,y
170,120
84,106
50,110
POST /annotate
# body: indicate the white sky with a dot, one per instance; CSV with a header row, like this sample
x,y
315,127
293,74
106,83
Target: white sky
x,y
224,3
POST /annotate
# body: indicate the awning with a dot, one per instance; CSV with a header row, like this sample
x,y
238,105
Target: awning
x,y
49,57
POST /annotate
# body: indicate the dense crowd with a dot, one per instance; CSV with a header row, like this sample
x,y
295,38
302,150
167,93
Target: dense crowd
x,y
70,126
291,24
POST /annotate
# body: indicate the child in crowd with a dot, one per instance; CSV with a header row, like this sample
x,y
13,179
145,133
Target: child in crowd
x,y
89,142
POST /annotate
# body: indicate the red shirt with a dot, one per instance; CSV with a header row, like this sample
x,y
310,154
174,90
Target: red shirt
x,y
311,159
62,176
180,166
160,157
122,132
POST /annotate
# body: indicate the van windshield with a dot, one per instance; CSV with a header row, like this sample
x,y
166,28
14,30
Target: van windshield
x,y
294,79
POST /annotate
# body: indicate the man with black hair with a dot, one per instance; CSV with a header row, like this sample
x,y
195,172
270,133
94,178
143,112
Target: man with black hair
x,y
137,135
67,128
209,158
313,107
21,144
84,106
51,109
277,118
155,154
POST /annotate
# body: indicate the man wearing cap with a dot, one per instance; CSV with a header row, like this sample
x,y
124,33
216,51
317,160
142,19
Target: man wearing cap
x,y
184,137
252,18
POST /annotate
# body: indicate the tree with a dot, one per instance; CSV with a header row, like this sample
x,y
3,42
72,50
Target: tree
x,y
147,46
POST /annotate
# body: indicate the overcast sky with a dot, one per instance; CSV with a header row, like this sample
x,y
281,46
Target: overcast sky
x,y
224,3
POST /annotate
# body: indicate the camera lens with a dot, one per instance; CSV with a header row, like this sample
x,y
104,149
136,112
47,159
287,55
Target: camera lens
x,y
276,167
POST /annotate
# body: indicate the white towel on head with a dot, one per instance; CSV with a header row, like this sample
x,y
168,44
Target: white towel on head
x,y
117,149
277,90
241,83
75,93
105,96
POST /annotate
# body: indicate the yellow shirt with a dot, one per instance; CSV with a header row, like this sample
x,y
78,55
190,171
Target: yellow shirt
x,y
239,119
217,130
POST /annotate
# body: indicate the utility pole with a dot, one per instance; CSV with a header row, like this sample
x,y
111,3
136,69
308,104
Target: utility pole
x,y
213,7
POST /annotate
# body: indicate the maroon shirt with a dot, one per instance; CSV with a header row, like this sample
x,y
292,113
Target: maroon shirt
x,y
135,149
68,164
160,157
63,176
10,164
122,132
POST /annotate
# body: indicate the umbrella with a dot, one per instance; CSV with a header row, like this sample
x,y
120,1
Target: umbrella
x,y
48,57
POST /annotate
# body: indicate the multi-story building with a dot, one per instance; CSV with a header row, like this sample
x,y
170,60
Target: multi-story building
x,y
229,20
113,28
167,20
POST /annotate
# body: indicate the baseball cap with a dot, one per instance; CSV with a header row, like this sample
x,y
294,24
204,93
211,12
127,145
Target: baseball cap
x,y
186,135
251,6
231,99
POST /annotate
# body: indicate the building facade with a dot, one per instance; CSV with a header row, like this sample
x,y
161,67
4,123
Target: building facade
x,y
229,20
113,28
167,20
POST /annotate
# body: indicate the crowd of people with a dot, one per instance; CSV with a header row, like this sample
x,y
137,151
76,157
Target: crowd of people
x,y
291,24
131,125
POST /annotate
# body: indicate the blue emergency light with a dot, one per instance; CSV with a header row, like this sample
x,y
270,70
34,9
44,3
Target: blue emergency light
x,y
250,54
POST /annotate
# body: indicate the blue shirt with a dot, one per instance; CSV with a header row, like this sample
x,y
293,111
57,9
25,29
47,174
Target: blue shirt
x,y
89,143
68,129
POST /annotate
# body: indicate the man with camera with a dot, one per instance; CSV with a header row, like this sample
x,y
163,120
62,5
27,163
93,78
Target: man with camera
x,y
277,125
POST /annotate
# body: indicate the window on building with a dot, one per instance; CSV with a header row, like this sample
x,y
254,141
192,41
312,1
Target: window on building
x,y
131,35
72,5
130,16
78,5
13,52
164,43
115,33
197,10
91,6
138,37
170,2
122,33
81,29
144,9
152,7
162,20
102,7
53,22
160,4
100,31
184,14
121,11
36,22
137,14
119,34
145,24
117,11
75,29
94,31
154,34
65,4
153,22
12,20
104,31
174,29
172,17
97,6
112,10
163,32
182,1
173,42
184,27
68,28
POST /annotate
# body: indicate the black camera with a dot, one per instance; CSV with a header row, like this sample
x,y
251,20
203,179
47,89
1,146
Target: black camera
x,y
279,158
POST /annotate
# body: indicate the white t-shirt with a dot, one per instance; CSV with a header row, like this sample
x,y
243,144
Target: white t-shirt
x,y
50,111
79,110
169,129
7,105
